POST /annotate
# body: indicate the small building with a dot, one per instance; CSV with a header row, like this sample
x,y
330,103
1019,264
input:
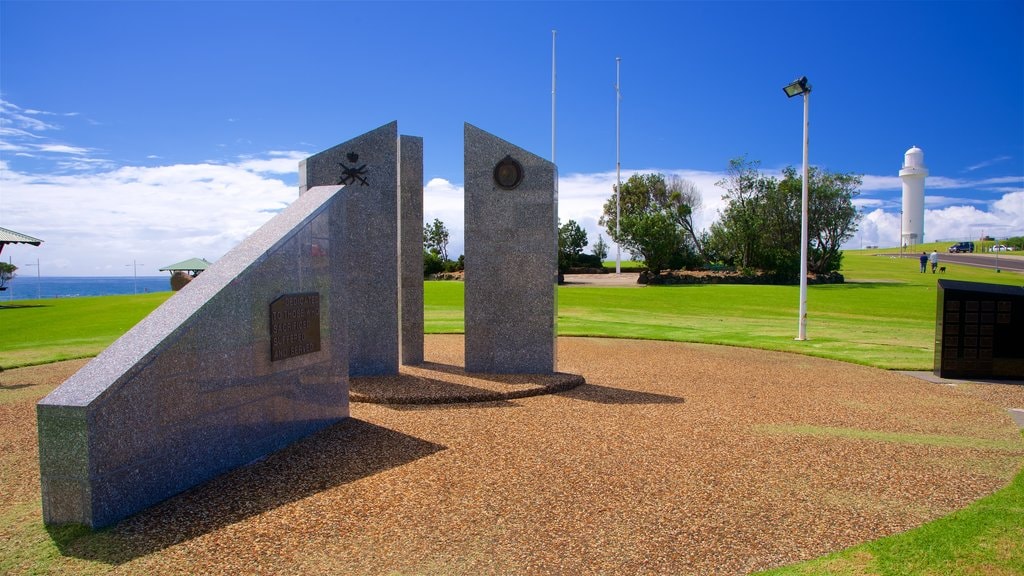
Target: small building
x,y
183,272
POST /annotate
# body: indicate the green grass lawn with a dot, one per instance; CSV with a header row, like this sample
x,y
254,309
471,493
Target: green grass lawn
x,y
49,330
884,316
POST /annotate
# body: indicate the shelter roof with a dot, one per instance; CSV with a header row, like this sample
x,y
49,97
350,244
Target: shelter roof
x,y
192,264
12,237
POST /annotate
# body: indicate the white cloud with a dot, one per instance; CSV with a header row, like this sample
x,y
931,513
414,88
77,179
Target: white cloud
x,y
278,163
987,163
93,223
62,149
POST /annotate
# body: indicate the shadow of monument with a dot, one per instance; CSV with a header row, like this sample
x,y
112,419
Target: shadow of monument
x,y
343,453
608,395
444,384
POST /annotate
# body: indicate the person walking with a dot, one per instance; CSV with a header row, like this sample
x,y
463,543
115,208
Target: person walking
x,y
924,261
934,259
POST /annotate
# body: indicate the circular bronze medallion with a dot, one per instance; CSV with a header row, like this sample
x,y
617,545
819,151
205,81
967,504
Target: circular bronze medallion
x,y
508,173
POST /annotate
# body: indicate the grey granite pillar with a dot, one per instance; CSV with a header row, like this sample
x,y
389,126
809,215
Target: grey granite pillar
x,y
511,257
368,167
245,359
410,247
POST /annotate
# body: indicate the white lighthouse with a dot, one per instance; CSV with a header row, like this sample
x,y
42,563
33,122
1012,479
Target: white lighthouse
x,y
913,174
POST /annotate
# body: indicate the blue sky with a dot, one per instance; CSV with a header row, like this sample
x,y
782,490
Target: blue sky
x,y
159,131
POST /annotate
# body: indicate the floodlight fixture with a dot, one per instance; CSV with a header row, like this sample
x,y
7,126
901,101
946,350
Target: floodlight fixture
x,y
797,87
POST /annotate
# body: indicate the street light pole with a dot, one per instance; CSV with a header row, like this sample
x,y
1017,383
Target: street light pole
x,y
38,279
799,87
135,275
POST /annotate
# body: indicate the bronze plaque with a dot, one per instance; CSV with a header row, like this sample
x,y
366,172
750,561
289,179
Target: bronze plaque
x,y
294,325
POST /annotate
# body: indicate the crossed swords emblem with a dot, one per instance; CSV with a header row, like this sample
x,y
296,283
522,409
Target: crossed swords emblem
x,y
351,174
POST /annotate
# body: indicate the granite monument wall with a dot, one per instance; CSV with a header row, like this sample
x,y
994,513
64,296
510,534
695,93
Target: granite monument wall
x,y
410,248
511,257
247,358
368,167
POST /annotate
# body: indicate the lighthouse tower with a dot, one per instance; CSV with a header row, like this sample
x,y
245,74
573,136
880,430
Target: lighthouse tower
x,y
913,174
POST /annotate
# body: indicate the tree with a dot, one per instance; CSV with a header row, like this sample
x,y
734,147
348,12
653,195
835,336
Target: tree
x,y
760,225
6,274
736,237
572,239
834,217
684,199
650,223
600,248
435,239
653,237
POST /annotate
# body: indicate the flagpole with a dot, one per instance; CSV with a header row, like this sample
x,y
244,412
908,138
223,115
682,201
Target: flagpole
x,y
618,166
553,34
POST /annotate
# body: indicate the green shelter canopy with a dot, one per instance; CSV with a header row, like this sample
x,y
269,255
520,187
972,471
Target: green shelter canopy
x,y
192,265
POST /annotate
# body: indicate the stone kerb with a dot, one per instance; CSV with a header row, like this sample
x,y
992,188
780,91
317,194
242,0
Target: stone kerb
x,y
368,166
511,257
191,391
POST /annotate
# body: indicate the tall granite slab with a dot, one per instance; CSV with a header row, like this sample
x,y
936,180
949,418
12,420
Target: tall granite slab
x,y
511,269
368,167
245,359
410,248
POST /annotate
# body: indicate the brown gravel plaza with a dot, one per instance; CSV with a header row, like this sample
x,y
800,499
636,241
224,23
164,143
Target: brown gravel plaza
x,y
671,459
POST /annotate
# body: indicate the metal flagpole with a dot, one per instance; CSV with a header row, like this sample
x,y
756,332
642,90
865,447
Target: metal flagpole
x,y
553,34
618,166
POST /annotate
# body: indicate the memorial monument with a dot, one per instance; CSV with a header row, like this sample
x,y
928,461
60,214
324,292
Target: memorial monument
x,y
247,358
257,351
511,217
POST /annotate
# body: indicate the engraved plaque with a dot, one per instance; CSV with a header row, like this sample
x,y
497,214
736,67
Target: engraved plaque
x,y
294,325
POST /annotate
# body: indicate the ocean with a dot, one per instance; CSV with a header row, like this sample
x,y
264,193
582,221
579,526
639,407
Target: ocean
x,y
28,287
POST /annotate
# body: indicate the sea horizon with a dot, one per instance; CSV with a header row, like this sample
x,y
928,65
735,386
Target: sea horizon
x,y
26,287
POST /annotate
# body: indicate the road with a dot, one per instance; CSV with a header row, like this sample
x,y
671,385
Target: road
x,y
1012,262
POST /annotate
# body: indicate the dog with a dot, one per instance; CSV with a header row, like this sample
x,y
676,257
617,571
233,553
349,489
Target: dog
x,y
942,269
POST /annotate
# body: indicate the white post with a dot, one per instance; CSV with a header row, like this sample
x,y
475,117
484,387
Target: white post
x,y
618,166
553,34
802,332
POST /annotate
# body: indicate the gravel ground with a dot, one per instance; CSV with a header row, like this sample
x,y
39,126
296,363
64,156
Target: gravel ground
x,y
671,459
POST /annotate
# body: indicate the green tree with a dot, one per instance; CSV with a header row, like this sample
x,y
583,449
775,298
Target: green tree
x,y
572,239
683,200
435,239
760,225
6,274
651,220
600,249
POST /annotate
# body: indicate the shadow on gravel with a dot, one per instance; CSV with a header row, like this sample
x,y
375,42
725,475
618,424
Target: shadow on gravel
x,y
608,395
344,453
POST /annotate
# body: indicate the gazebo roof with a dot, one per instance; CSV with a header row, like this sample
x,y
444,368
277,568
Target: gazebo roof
x,y
190,265
12,237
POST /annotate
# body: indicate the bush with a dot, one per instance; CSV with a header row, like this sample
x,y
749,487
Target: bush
x,y
432,263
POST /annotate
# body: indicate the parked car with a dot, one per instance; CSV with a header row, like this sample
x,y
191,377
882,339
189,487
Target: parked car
x,y
1000,248
961,247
